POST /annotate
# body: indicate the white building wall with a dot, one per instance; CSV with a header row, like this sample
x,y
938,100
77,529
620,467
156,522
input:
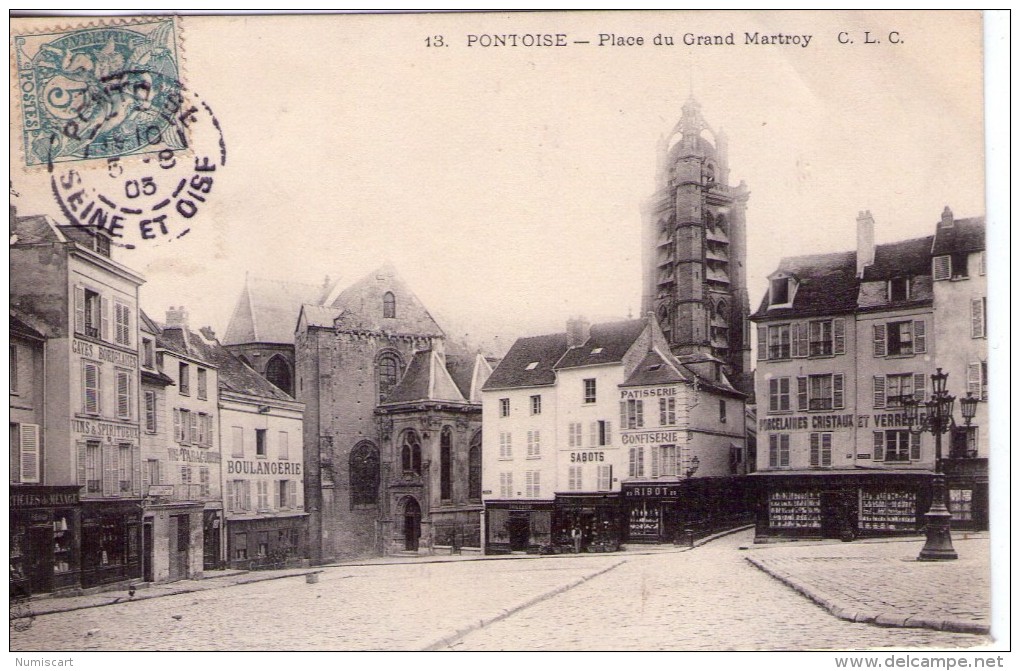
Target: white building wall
x,y
516,426
588,453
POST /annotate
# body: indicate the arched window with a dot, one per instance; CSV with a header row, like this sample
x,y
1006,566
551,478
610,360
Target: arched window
x,y
720,222
389,367
720,309
389,305
446,464
410,453
475,467
278,372
364,475
245,361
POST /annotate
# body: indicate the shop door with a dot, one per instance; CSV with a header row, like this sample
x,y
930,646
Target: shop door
x,y
183,545
520,532
412,525
839,518
178,540
148,553
39,559
210,540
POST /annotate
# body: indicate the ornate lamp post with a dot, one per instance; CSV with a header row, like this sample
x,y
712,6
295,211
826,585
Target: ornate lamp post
x,y
937,419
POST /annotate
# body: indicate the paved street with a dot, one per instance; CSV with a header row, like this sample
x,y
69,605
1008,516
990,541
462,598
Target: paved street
x,y
705,599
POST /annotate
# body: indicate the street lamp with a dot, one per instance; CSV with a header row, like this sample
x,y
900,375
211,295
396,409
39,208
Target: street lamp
x,y
937,419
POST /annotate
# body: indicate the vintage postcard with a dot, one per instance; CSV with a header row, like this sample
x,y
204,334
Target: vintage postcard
x,y
527,331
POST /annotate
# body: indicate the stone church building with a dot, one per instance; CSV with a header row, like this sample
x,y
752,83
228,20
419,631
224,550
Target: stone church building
x,y
393,419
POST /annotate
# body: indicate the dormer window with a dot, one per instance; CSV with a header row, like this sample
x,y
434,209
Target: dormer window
x,y
102,244
781,291
597,350
389,305
899,289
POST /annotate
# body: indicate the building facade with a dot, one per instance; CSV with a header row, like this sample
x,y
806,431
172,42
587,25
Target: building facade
x,y
844,340
87,303
695,248
599,436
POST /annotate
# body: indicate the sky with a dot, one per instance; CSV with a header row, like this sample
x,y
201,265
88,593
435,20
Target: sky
x,y
506,184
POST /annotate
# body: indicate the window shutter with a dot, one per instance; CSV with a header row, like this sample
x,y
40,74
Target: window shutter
x,y
784,449
640,407
773,451
593,434
981,263
247,494
814,449
879,443
662,412
193,428
974,379
641,461
838,336
29,453
228,496
801,346
826,449
919,386
977,318
177,425
123,393
79,309
655,461
609,432
292,494
632,463
940,268
802,393
762,344
915,446
276,493
623,414
879,386
136,470
879,339
110,484
837,391
920,339
81,463
104,309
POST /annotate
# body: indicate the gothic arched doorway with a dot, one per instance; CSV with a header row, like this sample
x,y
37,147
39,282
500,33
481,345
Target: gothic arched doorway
x,y
412,524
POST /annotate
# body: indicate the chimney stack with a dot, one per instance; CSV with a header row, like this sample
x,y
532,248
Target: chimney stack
x,y
578,331
176,317
947,218
865,241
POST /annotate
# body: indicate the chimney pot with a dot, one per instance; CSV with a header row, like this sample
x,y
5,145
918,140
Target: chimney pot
x,y
865,241
578,331
176,317
947,218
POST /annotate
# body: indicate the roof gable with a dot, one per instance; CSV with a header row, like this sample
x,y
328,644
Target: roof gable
x,y
361,307
425,379
267,311
654,369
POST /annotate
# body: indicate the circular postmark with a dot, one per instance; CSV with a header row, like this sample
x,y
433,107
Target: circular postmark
x,y
153,192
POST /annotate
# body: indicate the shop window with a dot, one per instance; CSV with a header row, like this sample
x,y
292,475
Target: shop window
x,y
475,468
506,450
821,449
260,443
779,341
667,411
632,414
93,467
536,405
388,367
779,450
389,305
961,505
589,390
504,407
779,394
241,546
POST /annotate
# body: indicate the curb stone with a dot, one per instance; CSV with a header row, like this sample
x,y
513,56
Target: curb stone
x,y
504,613
879,619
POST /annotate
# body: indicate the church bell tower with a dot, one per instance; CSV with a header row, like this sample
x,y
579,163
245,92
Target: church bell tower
x,y
695,249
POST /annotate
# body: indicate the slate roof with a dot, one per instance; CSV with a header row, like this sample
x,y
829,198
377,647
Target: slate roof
x,y
267,311
425,379
35,228
234,376
607,343
654,369
512,371
827,284
900,259
966,235
145,321
23,325
461,368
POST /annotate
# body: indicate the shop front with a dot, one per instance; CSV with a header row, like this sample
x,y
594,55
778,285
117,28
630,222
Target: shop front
x,y
652,512
44,539
111,542
518,526
267,542
840,505
588,523
967,492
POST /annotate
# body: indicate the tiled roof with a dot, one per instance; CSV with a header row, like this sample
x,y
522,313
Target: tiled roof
x,y
966,235
607,343
461,368
267,311
234,376
425,379
513,370
827,284
24,325
900,259
145,322
654,369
